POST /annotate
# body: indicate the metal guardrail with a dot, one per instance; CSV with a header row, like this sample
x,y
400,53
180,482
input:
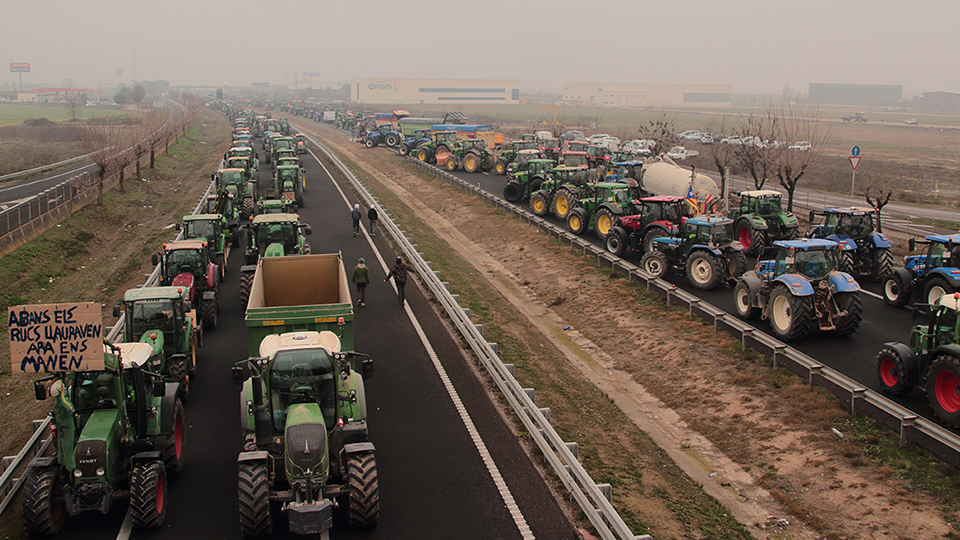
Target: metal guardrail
x,y
913,428
43,168
14,467
592,498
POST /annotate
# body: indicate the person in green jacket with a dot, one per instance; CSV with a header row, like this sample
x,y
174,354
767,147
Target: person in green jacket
x,y
361,276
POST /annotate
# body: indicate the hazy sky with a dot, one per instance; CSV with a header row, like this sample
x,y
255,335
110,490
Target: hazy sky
x,y
755,46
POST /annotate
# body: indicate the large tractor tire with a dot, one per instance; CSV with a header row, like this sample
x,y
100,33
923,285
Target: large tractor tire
x,y
790,316
512,192
404,150
453,163
737,262
471,162
221,265
654,263
703,270
851,303
370,142
749,237
943,389
745,308
173,451
936,287
501,166
42,501
846,262
577,221
894,293
425,154
148,494
891,373
539,204
391,139
363,485
791,234
208,314
882,264
603,223
563,202
246,283
247,210
655,232
616,241
253,490
179,372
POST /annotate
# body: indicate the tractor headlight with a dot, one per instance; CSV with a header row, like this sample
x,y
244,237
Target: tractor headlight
x,y
100,472
77,473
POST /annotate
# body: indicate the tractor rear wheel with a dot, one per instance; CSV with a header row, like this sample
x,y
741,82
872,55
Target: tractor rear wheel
x,y
363,485
943,388
936,287
846,262
425,155
749,237
253,490
42,501
173,451
882,263
512,192
221,265
849,323
654,263
745,308
790,316
563,202
891,372
501,166
391,139
617,241
179,373
471,162
577,221
208,314
655,232
604,222
247,209
538,203
737,264
246,283
148,494
703,272
894,293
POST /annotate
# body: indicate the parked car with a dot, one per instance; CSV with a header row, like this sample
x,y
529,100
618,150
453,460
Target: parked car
x,y
706,138
733,140
801,145
595,139
679,152
911,122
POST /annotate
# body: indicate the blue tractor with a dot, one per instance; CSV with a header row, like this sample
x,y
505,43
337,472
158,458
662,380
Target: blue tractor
x,y
703,248
409,144
387,135
864,252
801,290
928,276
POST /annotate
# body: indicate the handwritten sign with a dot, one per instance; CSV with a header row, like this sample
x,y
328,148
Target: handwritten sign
x,y
55,337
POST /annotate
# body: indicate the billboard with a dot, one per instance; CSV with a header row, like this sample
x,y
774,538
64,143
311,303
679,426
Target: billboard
x,y
19,67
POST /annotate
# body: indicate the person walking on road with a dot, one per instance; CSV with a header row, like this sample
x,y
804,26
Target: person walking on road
x,y
399,275
361,276
372,216
356,215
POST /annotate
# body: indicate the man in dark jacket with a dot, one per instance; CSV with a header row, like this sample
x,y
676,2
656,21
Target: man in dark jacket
x,y
355,215
399,275
372,216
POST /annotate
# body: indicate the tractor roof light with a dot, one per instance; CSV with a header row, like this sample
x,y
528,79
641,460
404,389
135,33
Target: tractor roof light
x,y
153,336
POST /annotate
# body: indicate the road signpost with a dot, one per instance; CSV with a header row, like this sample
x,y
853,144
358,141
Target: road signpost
x,y
21,68
854,160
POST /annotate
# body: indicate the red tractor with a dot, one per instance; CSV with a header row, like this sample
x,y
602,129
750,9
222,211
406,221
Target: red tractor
x,y
187,264
657,217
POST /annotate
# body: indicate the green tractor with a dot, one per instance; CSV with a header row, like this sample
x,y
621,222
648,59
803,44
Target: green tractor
x,y
240,189
760,220
558,195
473,156
271,235
288,182
213,229
929,360
522,184
281,143
442,142
243,157
304,419
163,318
275,206
509,153
118,435
283,126
602,208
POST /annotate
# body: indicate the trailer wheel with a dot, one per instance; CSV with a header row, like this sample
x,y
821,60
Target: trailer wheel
x,y
253,492
655,264
577,221
148,494
851,303
936,287
42,501
894,293
891,373
512,192
179,373
617,241
538,204
790,315
173,451
943,388
745,308
604,222
703,272
883,263
749,237
364,490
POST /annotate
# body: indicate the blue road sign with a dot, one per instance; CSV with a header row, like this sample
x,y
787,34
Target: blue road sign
x,y
855,151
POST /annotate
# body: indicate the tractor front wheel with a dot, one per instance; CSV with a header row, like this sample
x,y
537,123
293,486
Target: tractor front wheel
x,y
148,494
471,162
404,150
538,203
617,241
425,155
891,373
363,485
246,283
749,237
452,163
737,264
703,272
654,263
882,263
655,232
253,490
936,287
512,192
173,451
943,389
208,314
846,262
577,221
391,139
744,305
604,222
369,142
179,373
501,166
850,303
42,501
790,315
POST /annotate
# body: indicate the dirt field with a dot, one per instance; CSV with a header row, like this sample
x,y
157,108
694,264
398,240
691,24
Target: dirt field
x,y
756,440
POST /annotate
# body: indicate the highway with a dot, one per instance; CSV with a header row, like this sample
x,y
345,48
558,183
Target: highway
x,y
434,480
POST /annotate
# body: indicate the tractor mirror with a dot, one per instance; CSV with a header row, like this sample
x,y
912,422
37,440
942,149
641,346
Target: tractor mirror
x,y
812,216
912,244
154,260
307,230
116,310
366,369
159,388
187,306
240,372
178,226
40,390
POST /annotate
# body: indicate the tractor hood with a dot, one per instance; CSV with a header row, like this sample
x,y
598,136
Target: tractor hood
x,y
185,280
306,442
274,250
93,446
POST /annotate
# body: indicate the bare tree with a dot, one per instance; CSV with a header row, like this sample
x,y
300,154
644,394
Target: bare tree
x,y
102,140
723,156
793,125
660,130
141,137
878,203
754,154
72,105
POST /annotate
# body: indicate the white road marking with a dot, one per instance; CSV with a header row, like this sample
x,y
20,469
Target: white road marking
x,y
126,528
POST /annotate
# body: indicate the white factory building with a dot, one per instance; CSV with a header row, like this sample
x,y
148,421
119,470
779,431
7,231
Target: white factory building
x,y
423,91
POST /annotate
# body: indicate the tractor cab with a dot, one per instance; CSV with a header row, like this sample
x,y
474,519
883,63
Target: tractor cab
x,y
813,259
300,141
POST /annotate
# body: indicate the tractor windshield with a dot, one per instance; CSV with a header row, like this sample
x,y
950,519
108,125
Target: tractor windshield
x,y
722,235
939,256
151,315
621,196
275,233
855,226
767,206
199,229
815,264
302,376
94,390
281,144
184,260
234,178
